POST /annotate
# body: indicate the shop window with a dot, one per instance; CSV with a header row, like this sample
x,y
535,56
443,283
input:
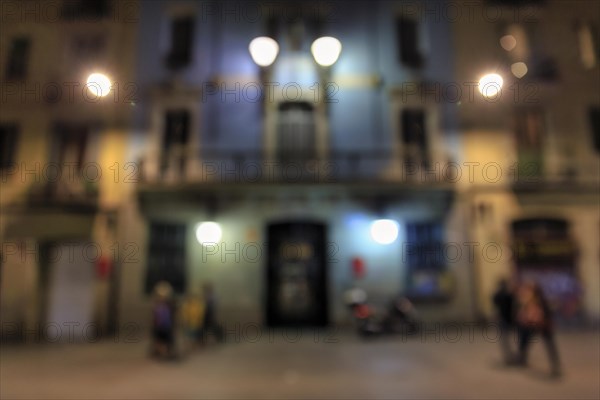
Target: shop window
x,y
545,252
425,260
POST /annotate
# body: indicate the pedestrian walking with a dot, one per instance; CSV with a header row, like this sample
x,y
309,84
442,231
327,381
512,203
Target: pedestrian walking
x,y
504,302
535,318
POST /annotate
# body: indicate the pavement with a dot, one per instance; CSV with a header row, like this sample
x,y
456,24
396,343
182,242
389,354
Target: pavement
x,y
302,364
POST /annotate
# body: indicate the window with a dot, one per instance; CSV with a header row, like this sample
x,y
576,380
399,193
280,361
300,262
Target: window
x,y
529,130
524,43
408,39
71,145
545,252
182,33
594,116
414,137
166,256
8,145
175,139
296,133
85,9
18,58
176,128
88,46
425,258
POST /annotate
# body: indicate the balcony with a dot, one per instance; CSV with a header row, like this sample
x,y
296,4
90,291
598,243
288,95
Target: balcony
x,y
225,177
72,197
256,167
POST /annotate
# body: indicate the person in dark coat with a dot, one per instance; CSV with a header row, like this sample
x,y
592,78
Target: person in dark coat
x,y
504,302
535,318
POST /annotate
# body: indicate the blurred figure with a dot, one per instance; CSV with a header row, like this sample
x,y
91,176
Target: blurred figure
x,y
402,316
210,324
192,318
354,296
534,317
163,322
504,301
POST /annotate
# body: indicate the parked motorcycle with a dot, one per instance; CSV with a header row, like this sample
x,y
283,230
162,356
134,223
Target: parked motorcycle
x,y
400,317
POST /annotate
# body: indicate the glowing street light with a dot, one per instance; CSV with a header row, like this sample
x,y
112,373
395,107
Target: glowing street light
x,y
208,233
263,50
490,85
99,84
384,231
326,50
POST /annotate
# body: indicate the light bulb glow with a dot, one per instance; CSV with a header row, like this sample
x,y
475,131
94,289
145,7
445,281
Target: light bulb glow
x,y
326,50
508,42
490,85
98,84
208,233
263,50
384,231
519,69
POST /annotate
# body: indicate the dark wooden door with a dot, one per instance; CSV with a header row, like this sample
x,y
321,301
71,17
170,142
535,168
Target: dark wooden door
x,y
297,274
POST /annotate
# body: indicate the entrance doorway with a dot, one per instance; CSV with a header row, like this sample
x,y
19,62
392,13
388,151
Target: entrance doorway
x,y
546,253
297,274
71,289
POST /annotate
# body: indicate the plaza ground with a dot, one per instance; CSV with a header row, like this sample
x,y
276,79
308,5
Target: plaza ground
x,y
280,364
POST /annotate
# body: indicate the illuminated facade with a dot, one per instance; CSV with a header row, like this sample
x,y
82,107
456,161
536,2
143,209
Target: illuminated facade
x,y
354,141
294,153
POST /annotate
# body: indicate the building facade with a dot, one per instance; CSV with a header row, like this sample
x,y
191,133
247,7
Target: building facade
x,y
534,148
63,141
293,161
285,175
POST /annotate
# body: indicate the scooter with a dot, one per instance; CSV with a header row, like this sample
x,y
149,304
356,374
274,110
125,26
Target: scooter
x,y
399,318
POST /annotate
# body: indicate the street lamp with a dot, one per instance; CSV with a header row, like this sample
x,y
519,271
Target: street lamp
x,y
208,233
263,50
326,50
98,84
490,85
384,231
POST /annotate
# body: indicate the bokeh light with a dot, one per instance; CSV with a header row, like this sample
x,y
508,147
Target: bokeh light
x,y
99,84
490,85
519,69
326,50
263,50
384,231
208,233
